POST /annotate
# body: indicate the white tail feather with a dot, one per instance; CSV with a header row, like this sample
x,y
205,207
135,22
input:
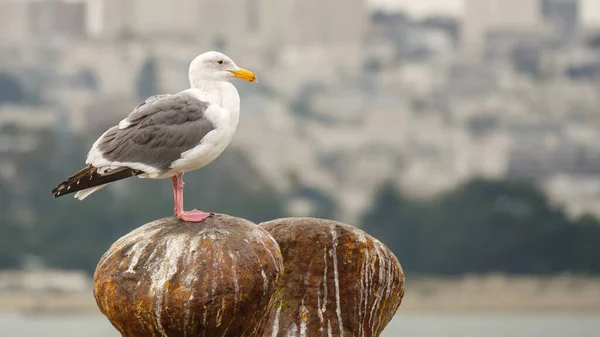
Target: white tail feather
x,y
86,193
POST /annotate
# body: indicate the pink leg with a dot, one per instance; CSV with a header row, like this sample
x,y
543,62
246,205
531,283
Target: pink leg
x,y
176,198
190,216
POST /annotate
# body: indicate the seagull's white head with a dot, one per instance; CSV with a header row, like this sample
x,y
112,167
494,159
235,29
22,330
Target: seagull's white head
x,y
215,66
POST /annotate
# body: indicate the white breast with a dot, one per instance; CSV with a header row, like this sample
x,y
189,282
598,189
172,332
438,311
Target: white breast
x,y
223,113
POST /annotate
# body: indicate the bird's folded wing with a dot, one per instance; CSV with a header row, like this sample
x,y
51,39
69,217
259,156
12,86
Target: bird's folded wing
x,y
143,110
154,135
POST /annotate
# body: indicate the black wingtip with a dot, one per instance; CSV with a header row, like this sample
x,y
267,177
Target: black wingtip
x,y
58,190
80,181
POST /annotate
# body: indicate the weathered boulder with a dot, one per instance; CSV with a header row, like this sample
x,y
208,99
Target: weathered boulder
x,y
174,278
338,281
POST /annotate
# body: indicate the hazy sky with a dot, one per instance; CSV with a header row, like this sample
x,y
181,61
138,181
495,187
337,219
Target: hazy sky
x,y
590,10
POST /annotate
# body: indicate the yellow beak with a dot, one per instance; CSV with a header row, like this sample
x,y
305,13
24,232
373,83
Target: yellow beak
x,y
244,75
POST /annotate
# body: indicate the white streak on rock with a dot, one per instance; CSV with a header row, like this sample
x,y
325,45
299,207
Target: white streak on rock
x,y
329,331
205,252
236,287
265,282
338,309
390,277
275,329
141,234
364,282
254,312
205,316
361,235
220,312
387,282
368,281
303,319
163,269
254,331
218,261
292,331
260,237
379,294
189,281
302,329
325,281
135,251
319,309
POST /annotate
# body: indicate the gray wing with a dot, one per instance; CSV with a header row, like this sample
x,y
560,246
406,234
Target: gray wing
x,y
143,110
157,132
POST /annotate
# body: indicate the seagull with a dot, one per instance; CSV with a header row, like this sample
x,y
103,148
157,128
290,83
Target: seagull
x,y
168,135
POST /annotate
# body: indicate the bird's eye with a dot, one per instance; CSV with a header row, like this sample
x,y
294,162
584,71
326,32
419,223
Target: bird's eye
x,y
220,61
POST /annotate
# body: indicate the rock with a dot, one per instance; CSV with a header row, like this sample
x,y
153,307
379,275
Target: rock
x,y
338,281
173,278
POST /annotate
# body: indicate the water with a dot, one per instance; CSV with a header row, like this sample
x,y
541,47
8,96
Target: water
x,y
494,325
404,325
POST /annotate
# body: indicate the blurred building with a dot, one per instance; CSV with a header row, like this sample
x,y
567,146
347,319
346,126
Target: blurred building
x,y
307,27
314,25
159,19
489,22
318,28
22,21
562,15
484,17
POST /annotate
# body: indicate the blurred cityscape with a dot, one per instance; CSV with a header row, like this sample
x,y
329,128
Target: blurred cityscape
x,y
351,97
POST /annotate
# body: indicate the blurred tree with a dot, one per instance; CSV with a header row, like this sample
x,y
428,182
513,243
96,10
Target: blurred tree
x,y
147,83
10,244
372,65
5,192
594,41
488,226
583,237
400,223
527,60
11,90
86,78
484,226
326,207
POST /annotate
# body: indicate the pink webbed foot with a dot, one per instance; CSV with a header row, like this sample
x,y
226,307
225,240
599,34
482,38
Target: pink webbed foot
x,y
194,216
